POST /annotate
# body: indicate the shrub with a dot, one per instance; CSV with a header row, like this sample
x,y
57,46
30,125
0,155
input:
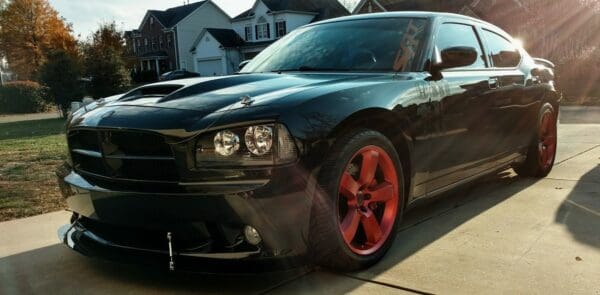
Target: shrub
x,y
22,97
61,75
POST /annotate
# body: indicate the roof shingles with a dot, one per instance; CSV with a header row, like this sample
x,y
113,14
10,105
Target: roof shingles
x,y
172,16
323,8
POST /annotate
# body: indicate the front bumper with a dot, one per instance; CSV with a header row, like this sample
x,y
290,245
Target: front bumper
x,y
207,227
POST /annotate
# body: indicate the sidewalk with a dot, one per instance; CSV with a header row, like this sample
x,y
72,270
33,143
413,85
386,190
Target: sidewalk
x,y
28,117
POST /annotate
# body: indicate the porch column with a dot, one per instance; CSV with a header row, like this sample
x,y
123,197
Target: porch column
x,y
157,69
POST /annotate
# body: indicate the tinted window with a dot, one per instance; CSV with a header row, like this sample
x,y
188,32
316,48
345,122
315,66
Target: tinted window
x,y
386,44
453,35
501,51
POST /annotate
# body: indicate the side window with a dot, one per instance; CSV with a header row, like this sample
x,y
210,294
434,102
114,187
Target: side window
x,y
502,52
453,35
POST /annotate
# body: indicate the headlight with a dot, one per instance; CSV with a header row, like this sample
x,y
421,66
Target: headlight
x,y
266,144
226,143
259,139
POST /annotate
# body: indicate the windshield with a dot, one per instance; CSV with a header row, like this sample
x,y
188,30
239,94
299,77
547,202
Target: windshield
x,y
379,45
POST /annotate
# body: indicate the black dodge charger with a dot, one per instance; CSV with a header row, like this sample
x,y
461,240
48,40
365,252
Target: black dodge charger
x,y
314,150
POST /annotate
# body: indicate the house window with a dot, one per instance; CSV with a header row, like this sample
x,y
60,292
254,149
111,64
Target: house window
x,y
280,29
169,41
161,42
262,29
146,43
248,33
151,20
153,43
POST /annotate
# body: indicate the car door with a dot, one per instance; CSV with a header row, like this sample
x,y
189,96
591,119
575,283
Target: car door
x,y
460,143
513,104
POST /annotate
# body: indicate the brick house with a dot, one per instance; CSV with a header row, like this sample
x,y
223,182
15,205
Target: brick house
x,y
162,41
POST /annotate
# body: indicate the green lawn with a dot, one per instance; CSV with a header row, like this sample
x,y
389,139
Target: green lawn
x,y
30,152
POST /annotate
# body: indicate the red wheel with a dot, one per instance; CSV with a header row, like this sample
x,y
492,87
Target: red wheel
x,y
359,205
547,140
542,151
368,200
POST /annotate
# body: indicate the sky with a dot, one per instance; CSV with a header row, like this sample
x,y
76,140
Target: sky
x,y
86,15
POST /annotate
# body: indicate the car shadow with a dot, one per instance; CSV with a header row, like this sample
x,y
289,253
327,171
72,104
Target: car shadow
x,y
580,211
58,270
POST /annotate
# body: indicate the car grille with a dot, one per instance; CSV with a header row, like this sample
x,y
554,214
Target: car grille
x,y
122,155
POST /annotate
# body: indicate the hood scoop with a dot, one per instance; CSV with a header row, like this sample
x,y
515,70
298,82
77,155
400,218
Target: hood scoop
x,y
151,91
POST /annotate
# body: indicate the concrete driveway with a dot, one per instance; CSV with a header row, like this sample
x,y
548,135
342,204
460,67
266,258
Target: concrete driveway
x,y
503,235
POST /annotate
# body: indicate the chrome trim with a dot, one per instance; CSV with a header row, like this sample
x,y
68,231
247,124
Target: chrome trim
x,y
88,153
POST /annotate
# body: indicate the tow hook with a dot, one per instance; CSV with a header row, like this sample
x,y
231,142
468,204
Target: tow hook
x,y
171,260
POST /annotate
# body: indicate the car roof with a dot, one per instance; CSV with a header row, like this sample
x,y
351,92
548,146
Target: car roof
x,y
408,14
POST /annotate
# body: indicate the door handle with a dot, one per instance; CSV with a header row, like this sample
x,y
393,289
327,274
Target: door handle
x,y
493,83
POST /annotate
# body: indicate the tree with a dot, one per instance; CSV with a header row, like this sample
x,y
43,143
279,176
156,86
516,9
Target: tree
x,y
104,62
62,74
28,30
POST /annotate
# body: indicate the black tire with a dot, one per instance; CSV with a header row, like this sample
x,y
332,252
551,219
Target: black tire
x,y
533,165
326,243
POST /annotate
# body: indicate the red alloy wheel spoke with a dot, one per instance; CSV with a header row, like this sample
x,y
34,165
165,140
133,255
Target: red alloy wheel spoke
x,y
350,224
348,186
544,157
371,227
369,166
544,125
383,192
549,141
363,230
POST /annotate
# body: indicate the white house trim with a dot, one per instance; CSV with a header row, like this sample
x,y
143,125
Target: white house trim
x,y
362,3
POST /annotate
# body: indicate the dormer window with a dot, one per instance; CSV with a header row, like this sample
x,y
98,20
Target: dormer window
x,y
262,29
151,20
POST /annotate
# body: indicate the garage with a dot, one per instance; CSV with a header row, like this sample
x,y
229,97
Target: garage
x,y
209,67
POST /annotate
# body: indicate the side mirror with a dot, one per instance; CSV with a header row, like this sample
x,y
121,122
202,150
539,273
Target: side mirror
x,y
455,57
243,64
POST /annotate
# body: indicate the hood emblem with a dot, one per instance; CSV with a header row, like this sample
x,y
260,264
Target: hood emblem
x,y
246,100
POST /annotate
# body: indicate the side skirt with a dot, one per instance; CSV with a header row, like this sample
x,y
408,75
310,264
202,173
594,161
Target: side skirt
x,y
430,196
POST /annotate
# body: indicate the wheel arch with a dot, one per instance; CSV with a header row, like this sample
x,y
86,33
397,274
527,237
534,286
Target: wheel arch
x,y
393,126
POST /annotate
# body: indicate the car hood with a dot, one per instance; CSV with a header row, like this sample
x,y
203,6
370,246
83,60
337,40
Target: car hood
x,y
209,95
191,105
